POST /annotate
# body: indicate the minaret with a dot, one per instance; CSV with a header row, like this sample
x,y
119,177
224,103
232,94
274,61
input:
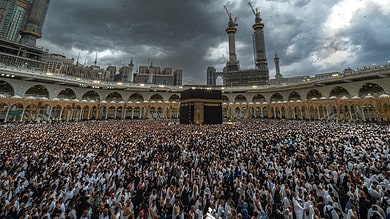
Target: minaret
x,y
131,67
95,60
151,73
232,64
259,45
277,68
32,29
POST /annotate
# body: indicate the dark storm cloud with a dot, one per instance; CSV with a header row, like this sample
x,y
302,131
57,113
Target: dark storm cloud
x,y
181,34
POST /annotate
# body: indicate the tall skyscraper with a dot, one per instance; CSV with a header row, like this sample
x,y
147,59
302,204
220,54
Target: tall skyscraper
x,y
32,29
12,14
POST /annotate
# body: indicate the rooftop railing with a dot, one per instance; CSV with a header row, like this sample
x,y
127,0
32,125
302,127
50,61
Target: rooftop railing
x,y
24,71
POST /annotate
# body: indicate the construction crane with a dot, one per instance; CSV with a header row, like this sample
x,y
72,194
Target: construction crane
x,y
253,10
230,16
227,11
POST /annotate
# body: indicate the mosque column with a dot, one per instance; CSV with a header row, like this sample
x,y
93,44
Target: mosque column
x,y
293,113
21,116
306,113
301,108
274,112
123,114
147,112
60,117
350,113
50,111
164,112
318,113
89,113
37,112
67,115
106,116
115,109
97,115
132,113
363,115
6,115
29,115
81,114
177,113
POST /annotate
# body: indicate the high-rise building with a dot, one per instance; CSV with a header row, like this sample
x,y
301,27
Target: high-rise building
x,y
212,76
12,14
35,18
154,75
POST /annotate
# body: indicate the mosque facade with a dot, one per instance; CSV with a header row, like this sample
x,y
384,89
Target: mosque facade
x,y
32,89
28,95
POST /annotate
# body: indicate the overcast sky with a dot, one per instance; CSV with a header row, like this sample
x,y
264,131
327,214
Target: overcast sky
x,y
309,36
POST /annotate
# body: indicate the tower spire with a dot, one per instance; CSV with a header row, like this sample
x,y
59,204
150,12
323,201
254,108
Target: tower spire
x,y
277,68
95,59
78,58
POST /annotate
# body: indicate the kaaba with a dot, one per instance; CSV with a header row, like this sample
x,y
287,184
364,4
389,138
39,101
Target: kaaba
x,y
201,106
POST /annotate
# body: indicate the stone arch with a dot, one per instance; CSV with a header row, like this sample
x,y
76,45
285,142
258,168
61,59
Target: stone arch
x,y
339,92
136,97
258,98
282,112
174,98
265,112
297,113
225,99
257,112
17,114
369,112
294,96
137,112
91,95
56,112
371,89
160,112
240,99
114,96
67,93
102,112
111,112
276,97
313,94
6,89
156,98
31,112
94,112
37,91
86,113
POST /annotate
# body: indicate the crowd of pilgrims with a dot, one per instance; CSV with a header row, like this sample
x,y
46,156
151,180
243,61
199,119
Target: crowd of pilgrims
x,y
161,169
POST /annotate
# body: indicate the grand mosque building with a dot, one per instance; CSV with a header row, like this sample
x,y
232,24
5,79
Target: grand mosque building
x,y
32,91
